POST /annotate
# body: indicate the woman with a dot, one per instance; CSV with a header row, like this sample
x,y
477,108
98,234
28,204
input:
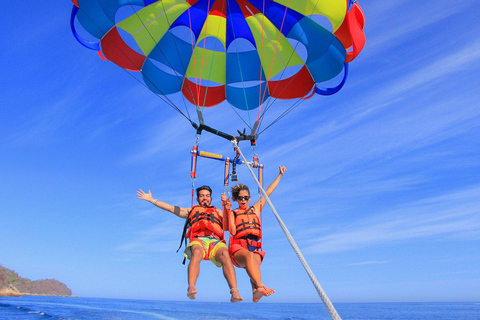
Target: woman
x,y
245,230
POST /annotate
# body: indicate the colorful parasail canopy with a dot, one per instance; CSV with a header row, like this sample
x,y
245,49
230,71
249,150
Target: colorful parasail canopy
x,y
238,51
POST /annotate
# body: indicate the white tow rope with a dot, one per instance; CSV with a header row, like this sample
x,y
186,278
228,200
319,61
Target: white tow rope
x,y
326,301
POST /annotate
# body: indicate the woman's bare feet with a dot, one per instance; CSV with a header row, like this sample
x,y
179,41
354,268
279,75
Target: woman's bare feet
x,y
235,295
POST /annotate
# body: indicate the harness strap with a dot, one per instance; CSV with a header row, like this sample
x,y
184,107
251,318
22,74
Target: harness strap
x,y
248,225
184,236
202,216
250,242
245,225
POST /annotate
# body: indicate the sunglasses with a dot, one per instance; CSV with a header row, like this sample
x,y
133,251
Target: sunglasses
x,y
241,198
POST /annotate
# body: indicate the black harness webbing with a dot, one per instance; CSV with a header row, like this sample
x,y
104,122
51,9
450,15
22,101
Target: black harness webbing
x,y
184,237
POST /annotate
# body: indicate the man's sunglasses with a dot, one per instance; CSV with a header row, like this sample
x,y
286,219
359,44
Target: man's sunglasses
x,y
241,198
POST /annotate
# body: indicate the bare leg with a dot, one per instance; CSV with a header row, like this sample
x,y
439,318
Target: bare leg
x,y
251,262
194,270
223,257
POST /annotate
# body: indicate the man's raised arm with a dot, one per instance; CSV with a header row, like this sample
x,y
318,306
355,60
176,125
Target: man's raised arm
x,y
178,211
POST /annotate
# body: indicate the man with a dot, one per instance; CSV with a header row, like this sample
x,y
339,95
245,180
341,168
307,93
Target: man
x,y
205,232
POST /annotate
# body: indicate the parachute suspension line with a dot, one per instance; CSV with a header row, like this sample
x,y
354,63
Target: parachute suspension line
x,y
260,96
326,301
261,115
178,53
197,108
296,104
290,109
273,100
164,98
260,120
213,56
241,76
193,55
270,104
203,56
238,114
291,55
197,84
161,51
275,52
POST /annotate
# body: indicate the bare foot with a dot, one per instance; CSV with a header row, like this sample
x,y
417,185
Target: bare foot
x,y
261,291
235,296
257,295
192,293
269,291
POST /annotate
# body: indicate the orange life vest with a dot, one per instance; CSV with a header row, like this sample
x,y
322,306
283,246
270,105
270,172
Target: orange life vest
x,y
247,223
204,222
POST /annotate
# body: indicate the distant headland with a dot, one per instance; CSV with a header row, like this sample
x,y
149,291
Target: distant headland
x,y
12,285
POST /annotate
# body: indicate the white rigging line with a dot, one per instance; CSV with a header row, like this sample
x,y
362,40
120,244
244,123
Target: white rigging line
x,y
326,301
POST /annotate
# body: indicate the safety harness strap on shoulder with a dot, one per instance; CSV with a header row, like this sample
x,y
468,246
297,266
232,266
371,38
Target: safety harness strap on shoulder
x,y
184,235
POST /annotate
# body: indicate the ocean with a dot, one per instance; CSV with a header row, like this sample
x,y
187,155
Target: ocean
x,y
55,308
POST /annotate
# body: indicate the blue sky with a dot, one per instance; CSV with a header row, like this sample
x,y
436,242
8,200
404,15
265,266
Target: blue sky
x,y
382,192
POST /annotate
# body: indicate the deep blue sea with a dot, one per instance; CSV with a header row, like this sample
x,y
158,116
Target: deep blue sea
x,y
102,309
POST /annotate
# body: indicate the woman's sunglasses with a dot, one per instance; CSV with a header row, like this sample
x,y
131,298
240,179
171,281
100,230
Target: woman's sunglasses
x,y
241,198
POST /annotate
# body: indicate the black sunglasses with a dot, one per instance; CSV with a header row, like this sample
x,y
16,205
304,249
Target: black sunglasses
x,y
241,198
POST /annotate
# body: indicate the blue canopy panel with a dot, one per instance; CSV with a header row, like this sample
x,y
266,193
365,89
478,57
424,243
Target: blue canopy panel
x,y
245,80
326,54
93,45
244,90
173,51
160,78
97,18
166,65
195,17
237,26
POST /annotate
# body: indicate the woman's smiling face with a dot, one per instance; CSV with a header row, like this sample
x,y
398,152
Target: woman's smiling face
x,y
243,198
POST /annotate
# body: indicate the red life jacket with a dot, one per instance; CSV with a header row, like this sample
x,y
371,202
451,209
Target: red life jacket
x,y
247,223
204,222
249,230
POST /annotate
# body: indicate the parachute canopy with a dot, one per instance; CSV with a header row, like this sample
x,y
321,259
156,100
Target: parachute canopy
x,y
238,51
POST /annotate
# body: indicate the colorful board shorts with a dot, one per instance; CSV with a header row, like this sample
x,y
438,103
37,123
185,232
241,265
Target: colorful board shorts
x,y
237,244
210,247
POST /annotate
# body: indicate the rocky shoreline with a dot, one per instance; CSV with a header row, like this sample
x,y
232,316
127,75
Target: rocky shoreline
x,y
10,292
13,292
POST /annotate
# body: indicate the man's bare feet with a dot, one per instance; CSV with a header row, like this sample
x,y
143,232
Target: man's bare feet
x,y
261,291
192,293
235,296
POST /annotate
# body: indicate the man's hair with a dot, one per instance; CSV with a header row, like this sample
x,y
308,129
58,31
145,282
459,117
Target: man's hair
x,y
203,188
236,190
